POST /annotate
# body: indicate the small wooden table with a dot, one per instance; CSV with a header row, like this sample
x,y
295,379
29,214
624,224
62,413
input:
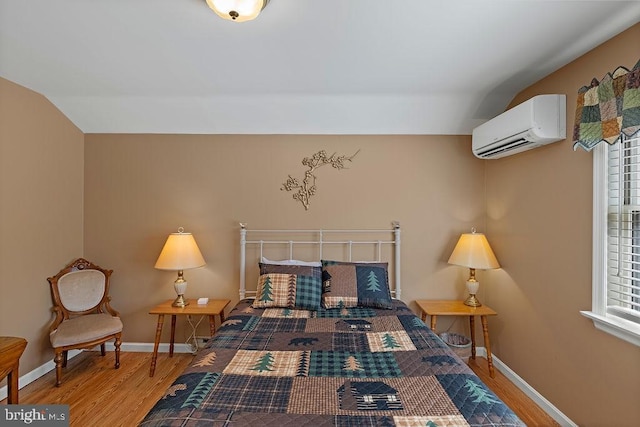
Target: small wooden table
x,y
215,307
436,308
11,349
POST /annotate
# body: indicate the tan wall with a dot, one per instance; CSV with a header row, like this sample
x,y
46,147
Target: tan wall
x,y
139,188
41,212
539,207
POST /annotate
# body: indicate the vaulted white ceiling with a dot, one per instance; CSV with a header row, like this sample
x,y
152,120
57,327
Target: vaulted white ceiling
x,y
303,66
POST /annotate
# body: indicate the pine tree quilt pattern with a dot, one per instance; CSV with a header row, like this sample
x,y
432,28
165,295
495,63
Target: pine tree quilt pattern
x,y
345,366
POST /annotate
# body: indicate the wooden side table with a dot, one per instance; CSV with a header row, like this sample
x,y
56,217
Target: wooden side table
x,y
11,348
436,308
215,307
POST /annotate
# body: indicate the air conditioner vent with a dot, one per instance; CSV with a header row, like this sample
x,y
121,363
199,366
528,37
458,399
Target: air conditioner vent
x,y
502,148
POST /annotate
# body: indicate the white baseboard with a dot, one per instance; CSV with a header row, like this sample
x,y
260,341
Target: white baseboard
x,y
137,347
539,399
147,347
30,377
143,347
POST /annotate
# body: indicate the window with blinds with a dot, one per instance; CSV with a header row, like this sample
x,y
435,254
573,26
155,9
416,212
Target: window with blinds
x,y
623,229
615,306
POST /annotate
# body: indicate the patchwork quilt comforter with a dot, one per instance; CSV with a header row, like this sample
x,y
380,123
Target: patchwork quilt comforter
x,y
343,367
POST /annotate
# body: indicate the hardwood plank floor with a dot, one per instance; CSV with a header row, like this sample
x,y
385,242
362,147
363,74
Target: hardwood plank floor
x,y
99,395
520,403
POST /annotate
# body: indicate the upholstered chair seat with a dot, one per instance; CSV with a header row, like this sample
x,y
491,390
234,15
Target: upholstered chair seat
x,y
84,317
85,328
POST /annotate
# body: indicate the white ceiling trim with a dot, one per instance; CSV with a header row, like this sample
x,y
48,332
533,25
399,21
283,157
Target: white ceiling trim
x,y
293,114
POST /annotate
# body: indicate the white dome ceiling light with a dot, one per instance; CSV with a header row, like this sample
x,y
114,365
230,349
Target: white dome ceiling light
x,y
237,10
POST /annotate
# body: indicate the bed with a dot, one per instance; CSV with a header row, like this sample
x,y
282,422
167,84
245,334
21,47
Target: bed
x,y
352,354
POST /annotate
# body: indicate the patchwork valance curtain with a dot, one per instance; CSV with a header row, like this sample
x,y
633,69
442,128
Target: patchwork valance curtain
x,y
608,108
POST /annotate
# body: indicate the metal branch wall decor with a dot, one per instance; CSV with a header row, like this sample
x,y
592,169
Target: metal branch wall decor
x,y
308,188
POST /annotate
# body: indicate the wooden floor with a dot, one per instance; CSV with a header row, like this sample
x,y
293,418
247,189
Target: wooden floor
x,y
99,395
519,402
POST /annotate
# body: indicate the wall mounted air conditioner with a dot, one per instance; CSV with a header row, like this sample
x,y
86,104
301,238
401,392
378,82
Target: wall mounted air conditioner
x,y
539,121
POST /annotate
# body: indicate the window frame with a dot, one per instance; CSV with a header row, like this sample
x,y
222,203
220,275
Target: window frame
x,y
603,319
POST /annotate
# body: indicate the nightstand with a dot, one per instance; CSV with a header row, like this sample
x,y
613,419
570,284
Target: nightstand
x,y
435,308
213,308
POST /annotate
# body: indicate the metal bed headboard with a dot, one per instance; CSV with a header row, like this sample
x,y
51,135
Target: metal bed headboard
x,y
323,238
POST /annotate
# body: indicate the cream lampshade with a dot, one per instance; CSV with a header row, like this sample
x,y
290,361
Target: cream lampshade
x,y
180,252
473,251
237,10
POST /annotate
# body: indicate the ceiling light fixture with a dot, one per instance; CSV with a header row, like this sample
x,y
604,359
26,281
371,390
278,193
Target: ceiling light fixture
x,y
237,10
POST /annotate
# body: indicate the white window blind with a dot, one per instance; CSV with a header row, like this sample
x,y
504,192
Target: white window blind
x,y
615,307
623,229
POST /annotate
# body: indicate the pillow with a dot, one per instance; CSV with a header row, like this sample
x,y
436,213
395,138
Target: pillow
x,y
291,262
352,284
288,291
289,286
303,270
326,276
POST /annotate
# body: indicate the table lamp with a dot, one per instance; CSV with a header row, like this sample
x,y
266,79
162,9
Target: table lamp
x,y
473,251
180,252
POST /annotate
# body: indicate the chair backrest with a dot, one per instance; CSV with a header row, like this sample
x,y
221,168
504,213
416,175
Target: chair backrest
x,y
81,287
81,290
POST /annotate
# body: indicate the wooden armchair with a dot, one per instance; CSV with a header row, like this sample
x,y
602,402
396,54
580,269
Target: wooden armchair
x,y
84,318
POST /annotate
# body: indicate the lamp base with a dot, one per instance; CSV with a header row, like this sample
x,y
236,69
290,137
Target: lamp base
x,y
180,285
472,301
472,287
180,302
